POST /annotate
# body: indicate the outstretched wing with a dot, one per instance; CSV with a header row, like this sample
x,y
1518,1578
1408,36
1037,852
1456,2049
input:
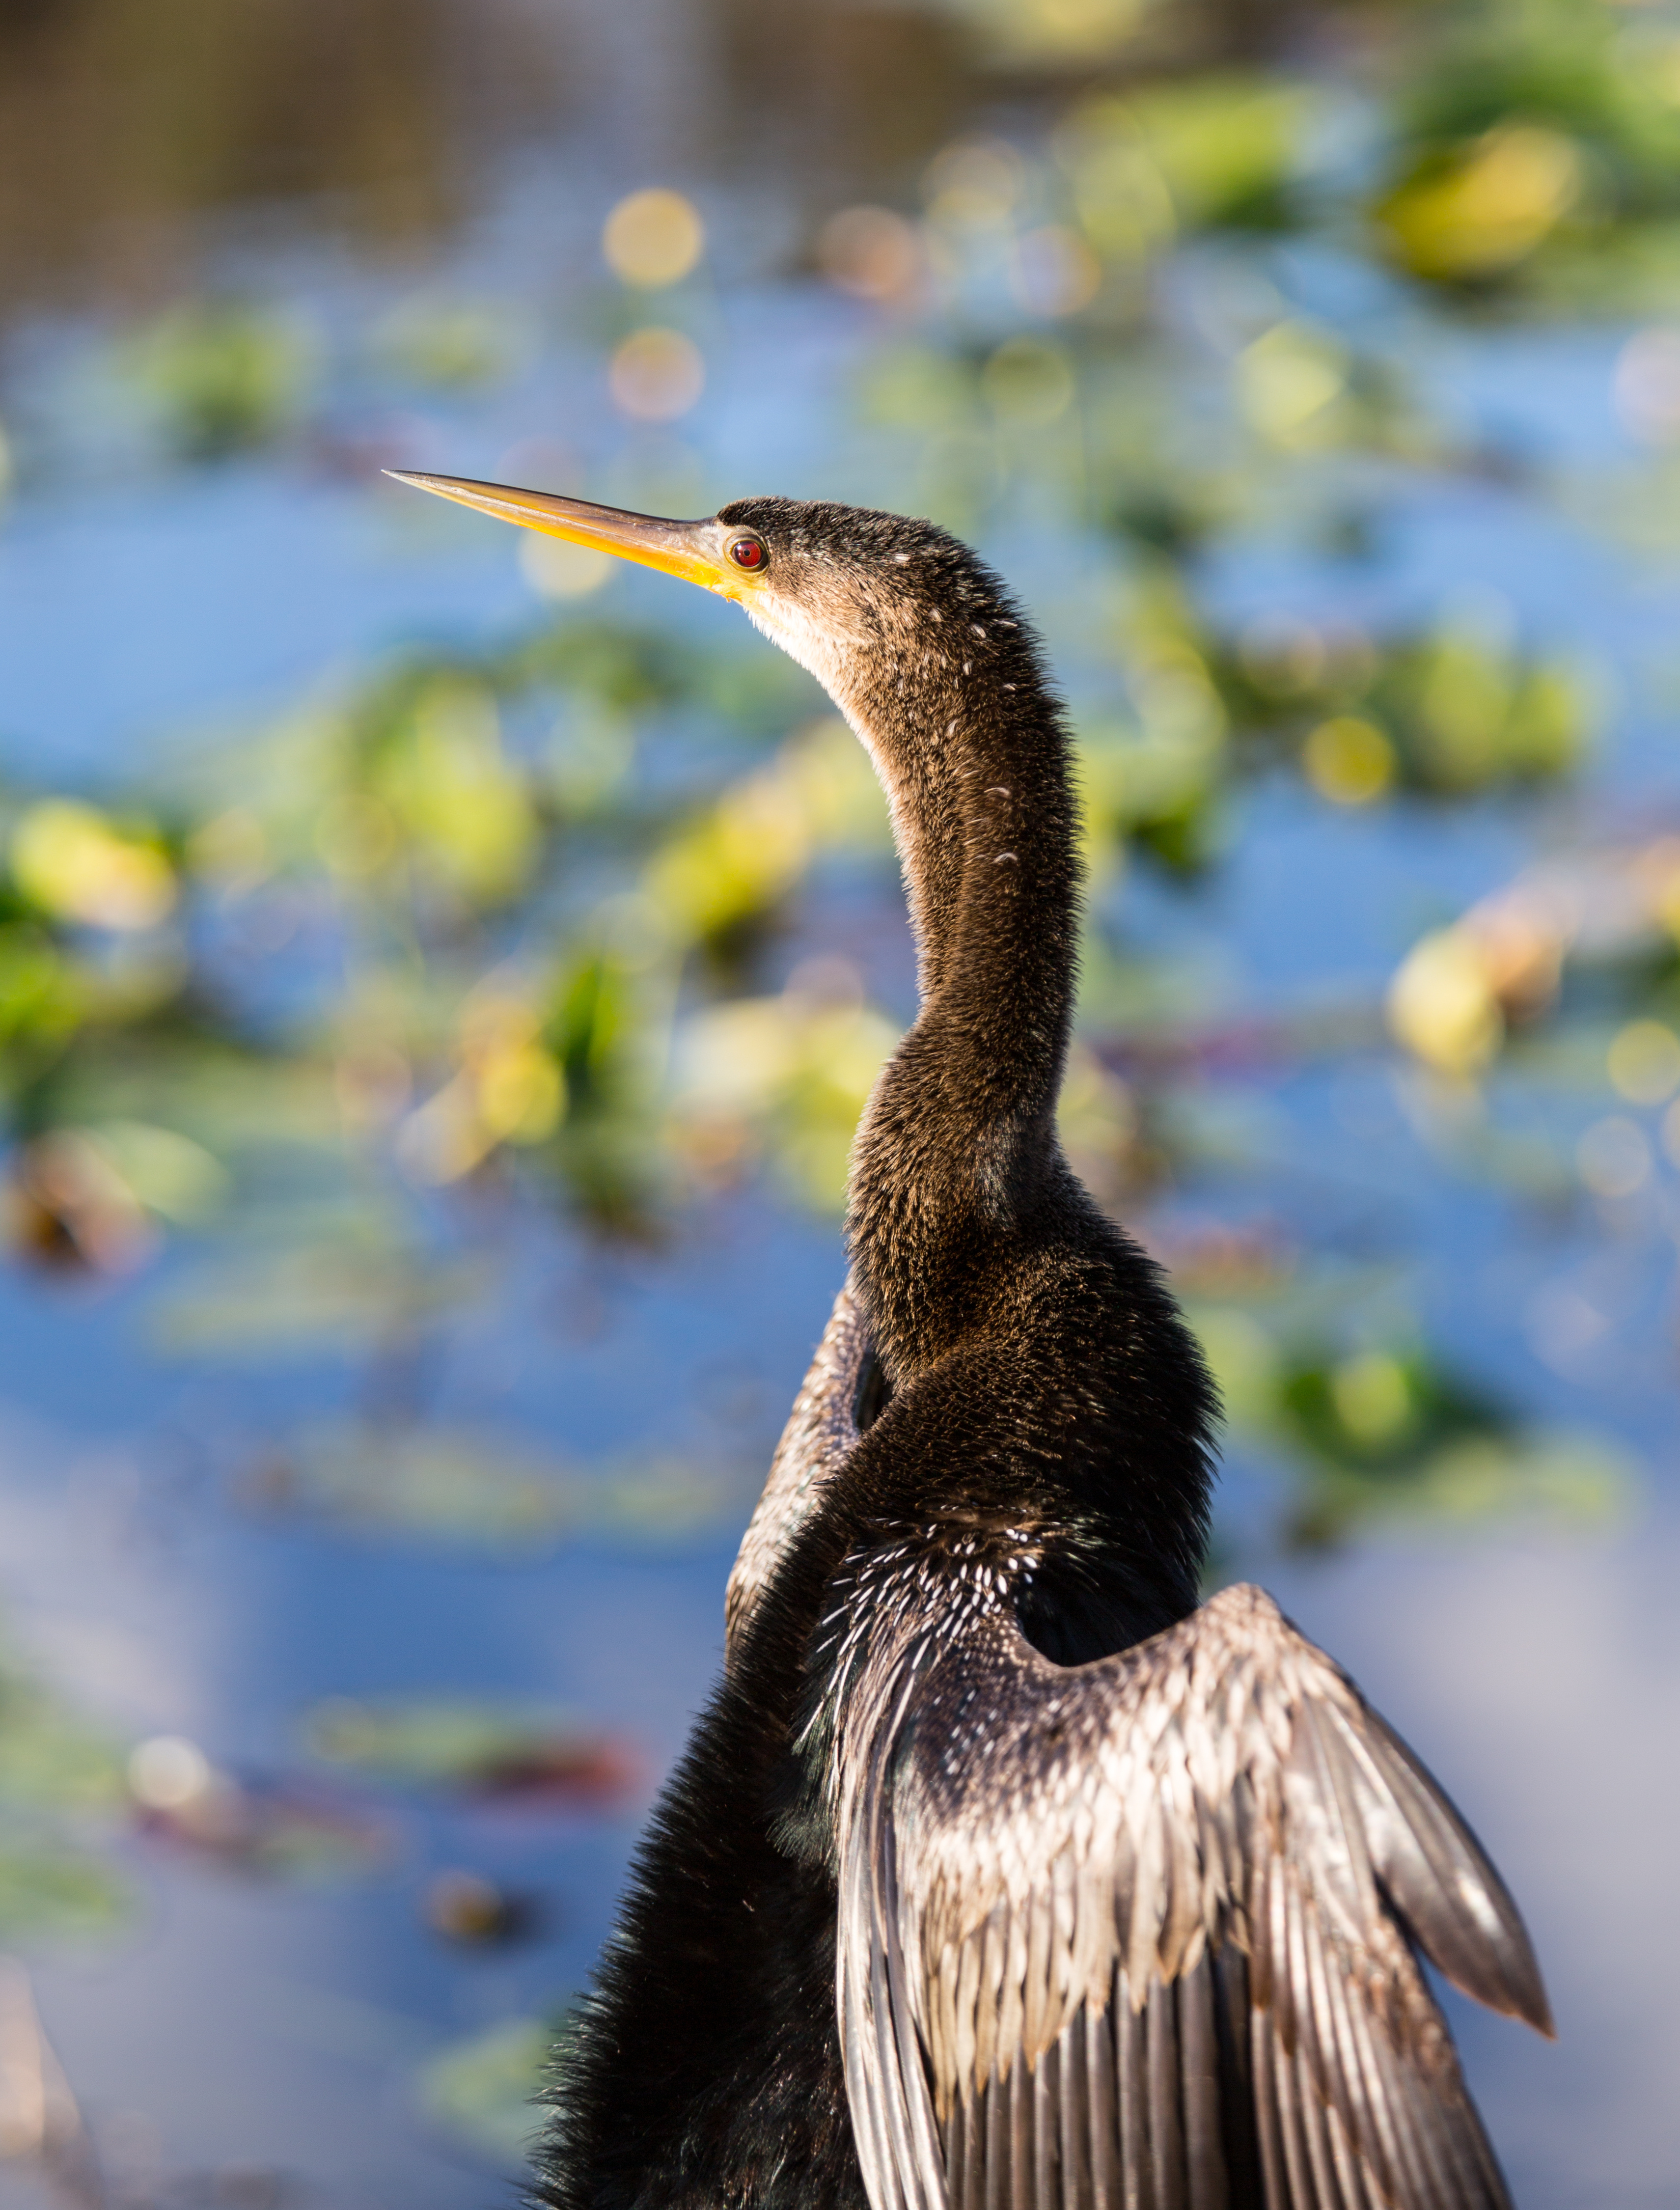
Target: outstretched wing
x,y
1142,1934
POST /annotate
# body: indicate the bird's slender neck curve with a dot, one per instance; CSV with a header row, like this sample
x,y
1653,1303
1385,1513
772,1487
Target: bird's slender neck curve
x,y
983,822
958,1140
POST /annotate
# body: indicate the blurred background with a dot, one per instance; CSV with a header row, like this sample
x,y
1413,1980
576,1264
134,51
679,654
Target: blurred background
x,y
439,973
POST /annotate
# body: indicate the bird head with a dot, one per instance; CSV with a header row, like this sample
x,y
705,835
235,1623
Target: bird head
x,y
848,593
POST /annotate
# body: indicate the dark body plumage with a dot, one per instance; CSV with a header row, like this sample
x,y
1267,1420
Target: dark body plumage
x,y
1112,1920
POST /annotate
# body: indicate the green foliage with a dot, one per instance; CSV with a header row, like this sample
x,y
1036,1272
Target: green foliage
x,y
1532,135
1385,1432
1452,712
60,1792
449,344
221,376
484,2089
1227,147
478,1490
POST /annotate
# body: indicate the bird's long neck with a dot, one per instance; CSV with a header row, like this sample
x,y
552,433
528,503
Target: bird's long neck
x,y
957,1148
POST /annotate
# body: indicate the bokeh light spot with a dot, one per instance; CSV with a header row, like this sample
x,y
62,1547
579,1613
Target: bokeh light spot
x,y
653,238
168,1771
1613,1157
1646,385
1055,271
1121,198
657,375
1644,1062
1442,1005
555,569
974,186
870,252
1287,378
1348,760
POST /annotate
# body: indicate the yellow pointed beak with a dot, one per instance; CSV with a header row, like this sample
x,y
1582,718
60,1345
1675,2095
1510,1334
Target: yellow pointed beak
x,y
696,551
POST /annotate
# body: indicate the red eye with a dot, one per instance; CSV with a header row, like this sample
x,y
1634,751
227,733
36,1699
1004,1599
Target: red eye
x,y
747,553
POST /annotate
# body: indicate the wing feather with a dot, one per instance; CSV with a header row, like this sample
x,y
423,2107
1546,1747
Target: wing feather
x,y
1142,1934
1021,2143
1165,2118
1204,2150
1078,2188
997,2138
1103,2078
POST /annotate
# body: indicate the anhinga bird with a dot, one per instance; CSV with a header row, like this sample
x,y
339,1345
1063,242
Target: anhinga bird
x,y
1000,1873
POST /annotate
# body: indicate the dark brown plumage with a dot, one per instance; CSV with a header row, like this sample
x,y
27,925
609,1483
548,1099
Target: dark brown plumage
x,y
997,1874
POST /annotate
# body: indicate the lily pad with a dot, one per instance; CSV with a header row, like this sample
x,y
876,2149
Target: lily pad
x,y
50,1759
60,1789
483,2090
276,1300
461,1485
51,1892
488,1749
1578,1479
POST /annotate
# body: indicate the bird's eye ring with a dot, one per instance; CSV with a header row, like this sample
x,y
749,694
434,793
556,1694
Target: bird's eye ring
x,y
747,553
